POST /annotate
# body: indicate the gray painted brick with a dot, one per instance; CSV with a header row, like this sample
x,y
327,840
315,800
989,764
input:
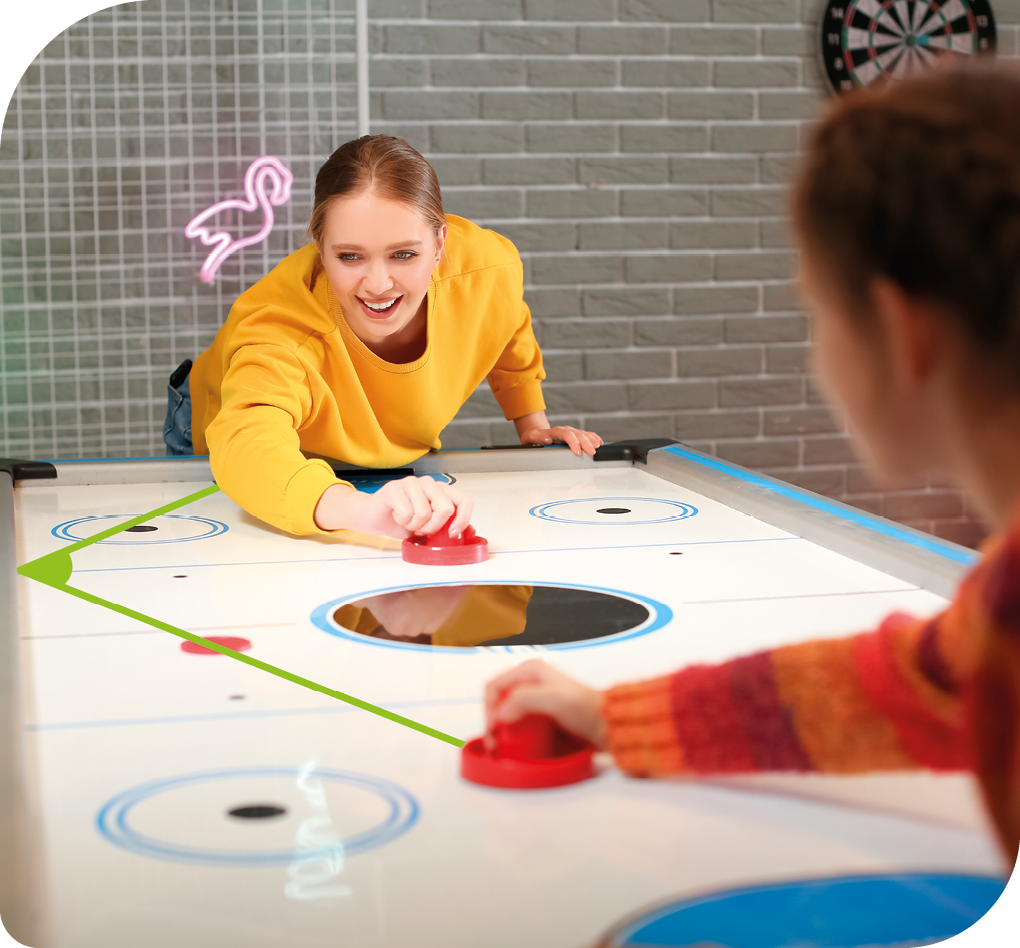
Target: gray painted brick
x,y
526,39
524,106
670,396
528,170
571,138
477,139
571,72
619,105
710,300
397,9
689,331
779,169
588,334
476,72
777,234
663,138
580,202
664,72
384,73
713,169
576,268
755,11
658,11
749,202
788,41
701,105
625,301
576,10
766,329
474,9
731,360
630,170
742,393
800,421
559,303
540,238
415,135
429,105
631,235
717,424
585,398
760,454
482,203
622,40
781,297
828,482
431,38
715,235
741,74
663,202
563,366
457,171
786,359
481,404
703,41
754,138
632,426
628,365
795,104
838,449
460,435
764,265
668,268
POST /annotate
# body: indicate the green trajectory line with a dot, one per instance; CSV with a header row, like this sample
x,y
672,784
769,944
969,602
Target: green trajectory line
x,y
54,569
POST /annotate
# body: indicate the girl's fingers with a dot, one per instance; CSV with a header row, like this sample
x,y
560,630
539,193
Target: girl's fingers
x,y
442,504
465,505
421,508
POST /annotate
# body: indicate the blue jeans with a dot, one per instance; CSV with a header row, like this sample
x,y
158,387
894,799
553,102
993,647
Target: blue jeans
x,y
177,427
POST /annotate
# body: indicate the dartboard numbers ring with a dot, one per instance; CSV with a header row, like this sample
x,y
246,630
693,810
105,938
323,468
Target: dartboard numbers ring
x,y
868,40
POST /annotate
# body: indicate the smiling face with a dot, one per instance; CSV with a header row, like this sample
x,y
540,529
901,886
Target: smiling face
x,y
379,256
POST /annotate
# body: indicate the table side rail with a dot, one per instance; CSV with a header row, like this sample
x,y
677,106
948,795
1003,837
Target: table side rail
x,y
21,876
909,555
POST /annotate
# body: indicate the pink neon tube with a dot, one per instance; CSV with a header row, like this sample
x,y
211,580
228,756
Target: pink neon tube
x,y
261,172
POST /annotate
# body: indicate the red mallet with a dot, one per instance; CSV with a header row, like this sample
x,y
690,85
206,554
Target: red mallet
x,y
531,753
440,549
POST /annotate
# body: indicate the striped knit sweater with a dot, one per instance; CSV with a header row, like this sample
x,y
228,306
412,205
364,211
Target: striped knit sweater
x,y
941,694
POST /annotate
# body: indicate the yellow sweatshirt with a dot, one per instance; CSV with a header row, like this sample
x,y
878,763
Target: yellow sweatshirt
x,y
286,374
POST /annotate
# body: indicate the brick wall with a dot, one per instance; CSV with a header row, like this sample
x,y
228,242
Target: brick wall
x,y
638,153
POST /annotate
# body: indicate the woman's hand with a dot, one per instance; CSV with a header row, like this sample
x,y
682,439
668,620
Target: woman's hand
x,y
398,509
535,429
537,688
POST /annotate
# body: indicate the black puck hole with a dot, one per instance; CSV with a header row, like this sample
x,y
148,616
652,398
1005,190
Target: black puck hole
x,y
257,811
141,528
613,510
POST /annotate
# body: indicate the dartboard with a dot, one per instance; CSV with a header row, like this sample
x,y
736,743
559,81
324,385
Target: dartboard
x,y
865,40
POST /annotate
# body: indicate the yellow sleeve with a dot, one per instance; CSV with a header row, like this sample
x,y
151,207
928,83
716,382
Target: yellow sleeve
x,y
254,447
516,378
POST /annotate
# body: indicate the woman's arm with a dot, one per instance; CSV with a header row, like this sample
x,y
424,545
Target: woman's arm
x,y
534,428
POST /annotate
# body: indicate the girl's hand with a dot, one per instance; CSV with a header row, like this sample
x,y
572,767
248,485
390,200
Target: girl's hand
x,y
537,688
398,509
574,438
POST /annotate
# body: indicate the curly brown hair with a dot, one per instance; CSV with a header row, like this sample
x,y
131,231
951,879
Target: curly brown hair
x,y
919,181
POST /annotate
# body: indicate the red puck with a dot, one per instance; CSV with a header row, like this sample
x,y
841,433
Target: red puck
x,y
530,754
230,641
440,549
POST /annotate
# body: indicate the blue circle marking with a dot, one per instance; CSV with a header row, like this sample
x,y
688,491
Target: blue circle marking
x,y
210,528
843,912
659,615
567,511
113,819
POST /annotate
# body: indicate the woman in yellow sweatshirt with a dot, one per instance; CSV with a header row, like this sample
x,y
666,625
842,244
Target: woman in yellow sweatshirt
x,y
362,346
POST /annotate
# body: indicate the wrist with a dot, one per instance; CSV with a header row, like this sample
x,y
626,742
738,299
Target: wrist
x,y
338,508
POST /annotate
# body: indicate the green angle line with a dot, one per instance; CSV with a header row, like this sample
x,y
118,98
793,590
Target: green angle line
x,y
54,569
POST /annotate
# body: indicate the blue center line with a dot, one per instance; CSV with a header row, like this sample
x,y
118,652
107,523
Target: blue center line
x,y
238,715
494,553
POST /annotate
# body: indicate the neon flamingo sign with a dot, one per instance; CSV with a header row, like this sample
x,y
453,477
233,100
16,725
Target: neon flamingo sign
x,y
263,172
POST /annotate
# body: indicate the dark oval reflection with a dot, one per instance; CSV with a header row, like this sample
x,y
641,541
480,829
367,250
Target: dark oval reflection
x,y
465,616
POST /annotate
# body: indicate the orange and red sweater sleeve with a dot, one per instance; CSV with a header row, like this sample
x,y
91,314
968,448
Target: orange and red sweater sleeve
x,y
886,700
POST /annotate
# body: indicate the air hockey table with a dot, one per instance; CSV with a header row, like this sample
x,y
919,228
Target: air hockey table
x,y
205,743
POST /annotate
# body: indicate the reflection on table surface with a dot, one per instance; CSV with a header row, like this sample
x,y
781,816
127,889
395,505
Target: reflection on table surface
x,y
490,614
